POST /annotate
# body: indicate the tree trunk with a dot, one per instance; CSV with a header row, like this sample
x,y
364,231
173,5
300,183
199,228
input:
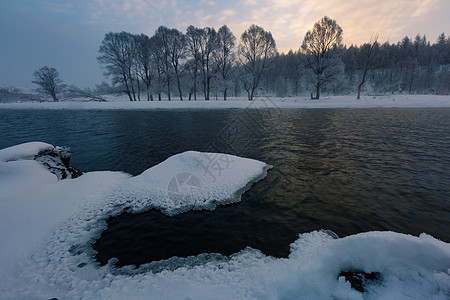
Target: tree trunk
x,y
252,94
129,95
179,87
359,90
204,87
363,80
412,78
126,86
225,94
148,90
168,88
55,99
132,90
208,81
317,91
138,88
132,85
195,88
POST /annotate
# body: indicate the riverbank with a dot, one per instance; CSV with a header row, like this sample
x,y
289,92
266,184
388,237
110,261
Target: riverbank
x,y
120,103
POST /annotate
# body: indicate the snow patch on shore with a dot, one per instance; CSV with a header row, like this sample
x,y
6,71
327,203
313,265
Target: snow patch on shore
x,y
384,101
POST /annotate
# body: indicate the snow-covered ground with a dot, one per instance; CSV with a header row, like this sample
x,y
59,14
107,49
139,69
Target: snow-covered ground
x,y
11,94
259,102
47,226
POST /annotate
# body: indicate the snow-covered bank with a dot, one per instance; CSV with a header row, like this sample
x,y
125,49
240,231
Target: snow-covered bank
x,y
47,226
400,101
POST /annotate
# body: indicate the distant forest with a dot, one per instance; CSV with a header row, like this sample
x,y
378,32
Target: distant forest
x,y
204,63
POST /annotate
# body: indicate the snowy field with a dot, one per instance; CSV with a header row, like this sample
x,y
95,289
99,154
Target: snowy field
x,y
47,226
269,102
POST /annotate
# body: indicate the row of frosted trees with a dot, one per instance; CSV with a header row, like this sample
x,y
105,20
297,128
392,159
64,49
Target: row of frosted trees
x,y
206,62
413,65
200,60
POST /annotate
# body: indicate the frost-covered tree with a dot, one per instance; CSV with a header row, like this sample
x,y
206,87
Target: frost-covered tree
x,y
208,59
208,45
369,55
442,49
193,45
162,36
177,52
256,49
48,81
225,56
170,51
144,66
118,57
158,62
321,47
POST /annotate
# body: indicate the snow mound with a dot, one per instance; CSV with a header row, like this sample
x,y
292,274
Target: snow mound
x,y
191,180
410,267
26,151
19,172
54,159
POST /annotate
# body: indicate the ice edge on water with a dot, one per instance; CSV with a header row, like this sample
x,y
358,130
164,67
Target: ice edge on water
x,y
47,227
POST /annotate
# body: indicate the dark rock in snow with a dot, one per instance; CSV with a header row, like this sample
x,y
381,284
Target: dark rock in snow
x,y
359,279
57,161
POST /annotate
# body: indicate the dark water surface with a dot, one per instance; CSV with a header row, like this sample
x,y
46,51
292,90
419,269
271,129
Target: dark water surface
x,y
347,170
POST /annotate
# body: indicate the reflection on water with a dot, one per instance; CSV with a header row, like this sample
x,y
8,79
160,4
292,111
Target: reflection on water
x,y
348,170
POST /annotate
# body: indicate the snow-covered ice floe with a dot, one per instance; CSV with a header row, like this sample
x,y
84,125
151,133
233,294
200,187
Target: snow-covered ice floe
x,y
191,180
47,226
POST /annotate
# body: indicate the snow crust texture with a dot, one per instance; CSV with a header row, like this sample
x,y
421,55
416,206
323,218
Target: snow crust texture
x,y
47,226
191,180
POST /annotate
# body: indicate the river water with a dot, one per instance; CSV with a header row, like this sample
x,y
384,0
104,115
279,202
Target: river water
x,y
347,170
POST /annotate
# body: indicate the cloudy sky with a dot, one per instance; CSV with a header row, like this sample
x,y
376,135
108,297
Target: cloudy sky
x,y
66,35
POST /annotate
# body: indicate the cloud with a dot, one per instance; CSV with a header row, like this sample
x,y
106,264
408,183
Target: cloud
x,y
226,15
423,7
250,2
289,20
360,19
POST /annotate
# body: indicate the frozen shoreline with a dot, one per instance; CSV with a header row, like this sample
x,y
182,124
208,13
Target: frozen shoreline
x,y
386,101
48,227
